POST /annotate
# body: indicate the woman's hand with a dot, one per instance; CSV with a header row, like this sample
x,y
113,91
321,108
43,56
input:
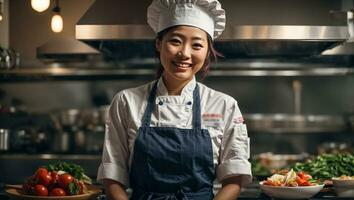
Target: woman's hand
x,y
115,190
230,189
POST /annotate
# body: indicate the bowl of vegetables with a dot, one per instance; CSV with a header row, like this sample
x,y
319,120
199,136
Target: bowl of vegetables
x,y
55,181
326,166
290,185
344,186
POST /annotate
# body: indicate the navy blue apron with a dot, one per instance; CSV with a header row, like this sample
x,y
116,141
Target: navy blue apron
x,y
172,163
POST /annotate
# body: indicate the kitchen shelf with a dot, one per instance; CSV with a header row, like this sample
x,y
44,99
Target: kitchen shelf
x,y
110,73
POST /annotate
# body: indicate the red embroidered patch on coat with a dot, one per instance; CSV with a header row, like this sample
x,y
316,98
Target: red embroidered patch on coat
x,y
239,120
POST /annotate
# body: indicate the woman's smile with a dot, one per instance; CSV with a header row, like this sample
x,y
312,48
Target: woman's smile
x,y
182,66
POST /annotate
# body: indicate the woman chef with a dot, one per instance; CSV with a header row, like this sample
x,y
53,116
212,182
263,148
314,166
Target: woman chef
x,y
170,138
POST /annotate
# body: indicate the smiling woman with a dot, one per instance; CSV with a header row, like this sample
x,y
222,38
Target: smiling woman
x,y
170,138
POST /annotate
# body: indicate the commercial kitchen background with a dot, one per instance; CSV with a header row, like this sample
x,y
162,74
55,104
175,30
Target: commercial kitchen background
x,y
24,30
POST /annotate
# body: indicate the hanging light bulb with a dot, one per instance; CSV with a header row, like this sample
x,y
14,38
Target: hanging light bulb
x,y
57,20
40,5
57,23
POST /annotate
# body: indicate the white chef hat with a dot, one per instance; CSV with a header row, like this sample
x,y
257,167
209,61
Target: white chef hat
x,y
204,14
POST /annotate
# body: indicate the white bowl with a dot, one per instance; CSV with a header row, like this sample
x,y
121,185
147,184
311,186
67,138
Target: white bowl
x,y
300,192
343,188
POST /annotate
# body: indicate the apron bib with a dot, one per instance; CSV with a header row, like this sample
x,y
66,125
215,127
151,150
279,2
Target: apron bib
x,y
172,163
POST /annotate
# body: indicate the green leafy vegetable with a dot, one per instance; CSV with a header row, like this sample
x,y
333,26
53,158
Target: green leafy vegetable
x,y
74,188
326,166
73,169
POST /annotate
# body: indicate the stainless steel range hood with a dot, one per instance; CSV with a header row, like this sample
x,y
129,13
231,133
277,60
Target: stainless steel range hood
x,y
255,29
65,49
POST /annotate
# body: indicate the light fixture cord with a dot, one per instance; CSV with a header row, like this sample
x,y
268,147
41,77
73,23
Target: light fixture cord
x,y
56,9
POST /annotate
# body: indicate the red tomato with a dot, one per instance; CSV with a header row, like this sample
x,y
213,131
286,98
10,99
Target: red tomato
x,y
57,192
41,171
64,180
44,179
54,176
40,190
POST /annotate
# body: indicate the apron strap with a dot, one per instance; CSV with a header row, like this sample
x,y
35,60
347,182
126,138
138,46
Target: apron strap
x,y
150,107
196,108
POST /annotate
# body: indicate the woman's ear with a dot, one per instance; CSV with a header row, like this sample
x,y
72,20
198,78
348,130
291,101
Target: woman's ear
x,y
158,45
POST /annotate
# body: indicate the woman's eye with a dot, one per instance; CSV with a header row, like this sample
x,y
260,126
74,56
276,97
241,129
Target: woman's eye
x,y
198,46
175,41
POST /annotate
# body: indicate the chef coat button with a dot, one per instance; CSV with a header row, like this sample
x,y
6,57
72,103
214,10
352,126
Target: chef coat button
x,y
189,103
160,103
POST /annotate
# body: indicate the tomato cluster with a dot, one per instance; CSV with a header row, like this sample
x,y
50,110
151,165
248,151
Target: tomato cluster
x,y
45,183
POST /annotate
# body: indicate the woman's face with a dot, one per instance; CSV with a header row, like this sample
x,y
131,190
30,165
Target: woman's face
x,y
183,51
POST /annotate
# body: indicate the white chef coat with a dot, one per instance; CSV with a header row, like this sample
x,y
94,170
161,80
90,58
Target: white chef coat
x,y
220,115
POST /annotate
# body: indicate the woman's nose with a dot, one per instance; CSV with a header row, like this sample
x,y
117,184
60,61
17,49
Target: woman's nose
x,y
184,52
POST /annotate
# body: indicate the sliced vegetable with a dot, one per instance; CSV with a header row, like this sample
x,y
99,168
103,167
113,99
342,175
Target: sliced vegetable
x,y
290,179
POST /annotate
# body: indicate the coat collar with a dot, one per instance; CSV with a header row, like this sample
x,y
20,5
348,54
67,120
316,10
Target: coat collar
x,y
186,91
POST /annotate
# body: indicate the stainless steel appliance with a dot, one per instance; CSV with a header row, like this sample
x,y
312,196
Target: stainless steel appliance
x,y
254,29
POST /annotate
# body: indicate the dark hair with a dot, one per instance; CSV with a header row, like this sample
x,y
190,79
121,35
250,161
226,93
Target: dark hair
x,y
212,55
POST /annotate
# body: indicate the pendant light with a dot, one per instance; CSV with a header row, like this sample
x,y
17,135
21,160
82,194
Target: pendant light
x,y
57,20
40,5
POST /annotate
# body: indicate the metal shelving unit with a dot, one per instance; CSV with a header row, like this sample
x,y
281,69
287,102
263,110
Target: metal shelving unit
x,y
65,73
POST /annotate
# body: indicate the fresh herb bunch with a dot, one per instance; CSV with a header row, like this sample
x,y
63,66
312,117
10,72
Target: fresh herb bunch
x,y
73,169
74,188
326,166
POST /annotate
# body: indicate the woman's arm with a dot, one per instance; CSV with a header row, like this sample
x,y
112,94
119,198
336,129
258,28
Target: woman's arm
x,y
115,190
230,190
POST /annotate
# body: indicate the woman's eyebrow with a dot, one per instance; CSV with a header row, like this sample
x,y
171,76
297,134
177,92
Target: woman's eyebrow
x,y
183,36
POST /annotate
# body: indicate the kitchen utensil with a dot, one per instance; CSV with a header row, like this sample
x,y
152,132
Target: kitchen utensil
x,y
4,140
70,117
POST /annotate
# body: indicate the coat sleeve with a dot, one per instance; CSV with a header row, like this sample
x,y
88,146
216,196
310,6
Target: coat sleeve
x,y
115,156
234,152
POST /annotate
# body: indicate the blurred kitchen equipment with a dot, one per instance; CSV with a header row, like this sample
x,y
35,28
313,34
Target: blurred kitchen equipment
x,y
103,113
9,58
289,123
79,130
294,123
94,139
279,161
334,148
351,121
66,49
4,140
29,140
70,117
